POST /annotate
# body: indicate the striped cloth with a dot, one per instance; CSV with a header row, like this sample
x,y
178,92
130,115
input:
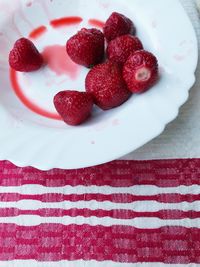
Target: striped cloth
x,y
121,214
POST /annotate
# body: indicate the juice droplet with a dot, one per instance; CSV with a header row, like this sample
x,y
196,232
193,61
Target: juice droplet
x,y
38,32
65,21
96,23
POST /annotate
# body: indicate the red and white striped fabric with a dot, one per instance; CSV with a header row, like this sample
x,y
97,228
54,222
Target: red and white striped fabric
x,y
125,213
121,214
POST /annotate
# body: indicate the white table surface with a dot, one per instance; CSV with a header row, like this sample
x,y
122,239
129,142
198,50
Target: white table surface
x,y
181,139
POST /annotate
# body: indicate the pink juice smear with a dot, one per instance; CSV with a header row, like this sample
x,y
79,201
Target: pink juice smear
x,y
59,62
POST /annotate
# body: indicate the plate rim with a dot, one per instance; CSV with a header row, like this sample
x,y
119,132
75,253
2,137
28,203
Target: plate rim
x,y
45,167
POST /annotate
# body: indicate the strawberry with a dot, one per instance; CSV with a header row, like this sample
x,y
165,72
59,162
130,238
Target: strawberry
x,y
25,57
141,71
74,107
86,47
117,25
122,47
106,83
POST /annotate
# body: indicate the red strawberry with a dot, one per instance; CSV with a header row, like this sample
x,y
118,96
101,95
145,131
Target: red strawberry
x,y
73,106
122,47
86,47
106,83
25,57
117,25
141,71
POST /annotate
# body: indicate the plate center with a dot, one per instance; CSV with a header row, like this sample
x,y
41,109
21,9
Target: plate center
x,y
36,90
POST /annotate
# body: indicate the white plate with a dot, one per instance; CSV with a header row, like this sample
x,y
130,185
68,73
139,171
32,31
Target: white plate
x,y
28,139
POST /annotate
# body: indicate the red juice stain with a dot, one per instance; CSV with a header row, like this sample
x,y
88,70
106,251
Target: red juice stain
x,y
38,32
29,4
28,103
96,23
65,21
59,62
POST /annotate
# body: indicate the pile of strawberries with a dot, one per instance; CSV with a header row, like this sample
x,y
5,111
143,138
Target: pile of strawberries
x,y
128,68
